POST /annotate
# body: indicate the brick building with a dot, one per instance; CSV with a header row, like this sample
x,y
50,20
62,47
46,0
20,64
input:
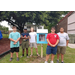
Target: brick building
x,y
68,23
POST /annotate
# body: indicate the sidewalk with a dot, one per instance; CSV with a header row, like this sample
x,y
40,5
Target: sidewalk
x,y
71,45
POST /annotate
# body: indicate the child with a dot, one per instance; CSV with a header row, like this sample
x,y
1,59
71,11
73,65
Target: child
x,y
52,40
25,42
32,41
14,42
61,49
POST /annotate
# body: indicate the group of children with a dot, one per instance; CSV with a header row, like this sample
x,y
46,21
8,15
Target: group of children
x,y
27,39
56,43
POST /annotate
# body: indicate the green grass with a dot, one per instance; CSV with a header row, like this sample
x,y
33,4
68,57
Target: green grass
x,y
69,57
5,35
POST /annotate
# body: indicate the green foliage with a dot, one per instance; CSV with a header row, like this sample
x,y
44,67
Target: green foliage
x,y
3,28
47,18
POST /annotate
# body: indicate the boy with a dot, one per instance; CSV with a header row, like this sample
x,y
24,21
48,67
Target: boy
x,y
63,43
14,42
52,39
25,42
32,41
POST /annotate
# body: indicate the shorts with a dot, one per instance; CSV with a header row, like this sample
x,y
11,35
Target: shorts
x,y
15,49
51,50
33,45
61,49
25,44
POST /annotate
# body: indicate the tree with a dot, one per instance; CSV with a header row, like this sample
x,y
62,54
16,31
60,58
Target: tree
x,y
19,18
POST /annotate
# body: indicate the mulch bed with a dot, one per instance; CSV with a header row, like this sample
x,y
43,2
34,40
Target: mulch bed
x,y
5,45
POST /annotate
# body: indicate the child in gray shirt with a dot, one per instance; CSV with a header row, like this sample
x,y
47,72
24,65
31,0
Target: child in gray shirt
x,y
63,42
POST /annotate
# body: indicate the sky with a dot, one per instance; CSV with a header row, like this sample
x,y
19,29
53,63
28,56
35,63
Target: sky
x,y
5,23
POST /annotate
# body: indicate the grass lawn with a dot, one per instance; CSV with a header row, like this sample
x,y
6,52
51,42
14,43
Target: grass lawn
x,y
68,58
5,35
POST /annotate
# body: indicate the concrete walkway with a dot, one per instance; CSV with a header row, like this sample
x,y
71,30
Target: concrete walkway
x,y
71,45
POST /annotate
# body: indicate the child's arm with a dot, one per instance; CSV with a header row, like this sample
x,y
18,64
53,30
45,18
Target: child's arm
x,y
67,42
28,36
56,43
17,40
23,37
10,37
12,40
49,42
29,40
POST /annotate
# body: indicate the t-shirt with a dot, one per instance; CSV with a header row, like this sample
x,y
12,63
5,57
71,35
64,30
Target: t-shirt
x,y
63,37
52,38
25,35
32,37
14,36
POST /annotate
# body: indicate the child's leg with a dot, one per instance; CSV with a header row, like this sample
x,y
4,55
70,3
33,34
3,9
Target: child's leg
x,y
31,46
52,57
36,50
53,51
23,52
31,50
58,52
26,51
11,55
17,50
27,46
17,54
12,51
58,56
48,52
62,56
47,57
35,46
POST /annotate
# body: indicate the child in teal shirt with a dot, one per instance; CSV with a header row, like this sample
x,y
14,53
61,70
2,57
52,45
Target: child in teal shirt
x,y
14,42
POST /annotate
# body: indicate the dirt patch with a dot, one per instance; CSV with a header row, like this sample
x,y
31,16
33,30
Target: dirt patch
x,y
36,59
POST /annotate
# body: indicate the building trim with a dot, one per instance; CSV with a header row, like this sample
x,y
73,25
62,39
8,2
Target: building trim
x,y
71,23
66,16
71,30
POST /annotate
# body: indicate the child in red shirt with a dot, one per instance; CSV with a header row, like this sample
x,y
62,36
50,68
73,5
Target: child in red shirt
x,y
52,39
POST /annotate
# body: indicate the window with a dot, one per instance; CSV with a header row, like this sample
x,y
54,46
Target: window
x,y
42,37
39,27
28,26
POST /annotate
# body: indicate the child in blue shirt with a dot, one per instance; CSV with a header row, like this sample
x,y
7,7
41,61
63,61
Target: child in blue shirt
x,y
14,42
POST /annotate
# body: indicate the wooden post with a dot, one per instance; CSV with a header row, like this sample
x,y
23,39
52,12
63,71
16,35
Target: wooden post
x,y
41,50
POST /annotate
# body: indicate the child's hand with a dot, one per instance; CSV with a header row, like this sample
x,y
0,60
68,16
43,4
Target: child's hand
x,y
53,45
14,42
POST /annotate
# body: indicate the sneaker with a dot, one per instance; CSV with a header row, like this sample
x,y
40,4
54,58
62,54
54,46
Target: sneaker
x,y
10,59
27,56
17,59
62,62
46,62
38,55
51,62
22,56
31,55
57,61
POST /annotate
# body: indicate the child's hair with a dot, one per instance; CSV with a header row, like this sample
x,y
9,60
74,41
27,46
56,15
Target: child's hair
x,y
53,28
32,28
61,27
13,27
